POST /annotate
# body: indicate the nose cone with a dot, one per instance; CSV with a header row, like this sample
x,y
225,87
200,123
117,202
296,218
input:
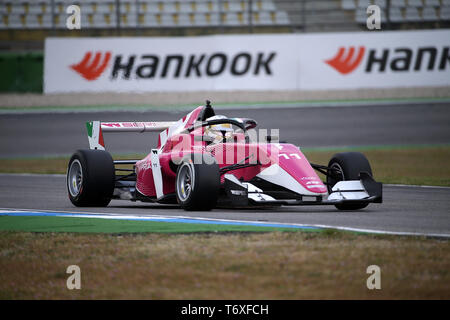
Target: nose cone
x,y
290,169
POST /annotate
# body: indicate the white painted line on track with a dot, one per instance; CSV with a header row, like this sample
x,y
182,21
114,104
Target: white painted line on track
x,y
415,186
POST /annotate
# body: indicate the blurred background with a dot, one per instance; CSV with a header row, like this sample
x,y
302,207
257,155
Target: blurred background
x,y
24,24
365,116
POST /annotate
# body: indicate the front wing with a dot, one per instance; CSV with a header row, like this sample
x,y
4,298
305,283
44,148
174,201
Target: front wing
x,y
365,190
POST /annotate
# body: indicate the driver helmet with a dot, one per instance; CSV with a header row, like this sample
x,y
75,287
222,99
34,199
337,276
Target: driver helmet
x,y
215,131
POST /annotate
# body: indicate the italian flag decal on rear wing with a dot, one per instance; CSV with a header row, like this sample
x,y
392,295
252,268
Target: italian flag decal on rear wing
x,y
95,130
95,135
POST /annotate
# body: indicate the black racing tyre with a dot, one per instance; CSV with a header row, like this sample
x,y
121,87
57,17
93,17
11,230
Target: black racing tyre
x,y
197,185
90,178
350,164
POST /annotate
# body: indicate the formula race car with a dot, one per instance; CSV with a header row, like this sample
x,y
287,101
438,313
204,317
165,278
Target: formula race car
x,y
206,160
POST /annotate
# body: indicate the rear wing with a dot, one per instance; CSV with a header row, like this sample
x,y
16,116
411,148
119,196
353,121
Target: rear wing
x,y
95,130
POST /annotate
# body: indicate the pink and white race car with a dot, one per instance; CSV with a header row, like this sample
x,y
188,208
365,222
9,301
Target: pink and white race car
x,y
206,160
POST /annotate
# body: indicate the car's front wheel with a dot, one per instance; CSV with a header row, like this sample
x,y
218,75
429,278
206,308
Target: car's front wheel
x,y
347,166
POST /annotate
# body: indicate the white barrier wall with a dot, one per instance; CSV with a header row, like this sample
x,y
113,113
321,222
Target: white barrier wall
x,y
248,62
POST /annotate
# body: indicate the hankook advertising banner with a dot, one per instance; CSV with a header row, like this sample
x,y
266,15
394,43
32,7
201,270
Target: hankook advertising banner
x,y
248,62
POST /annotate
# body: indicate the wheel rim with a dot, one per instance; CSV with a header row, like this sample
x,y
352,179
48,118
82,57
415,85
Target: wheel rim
x,y
334,177
184,182
75,178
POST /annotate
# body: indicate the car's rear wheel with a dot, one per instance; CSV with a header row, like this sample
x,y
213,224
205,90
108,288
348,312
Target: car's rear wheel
x,y
197,185
347,166
90,178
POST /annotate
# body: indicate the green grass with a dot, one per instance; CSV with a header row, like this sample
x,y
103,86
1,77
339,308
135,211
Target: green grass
x,y
98,225
418,165
217,105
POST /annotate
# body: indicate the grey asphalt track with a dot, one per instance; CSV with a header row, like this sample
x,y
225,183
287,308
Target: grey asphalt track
x,y
61,134
405,209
